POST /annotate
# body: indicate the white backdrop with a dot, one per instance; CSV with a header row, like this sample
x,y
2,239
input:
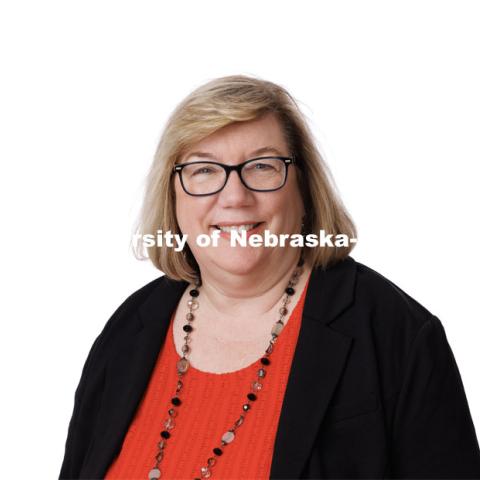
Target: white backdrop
x,y
390,90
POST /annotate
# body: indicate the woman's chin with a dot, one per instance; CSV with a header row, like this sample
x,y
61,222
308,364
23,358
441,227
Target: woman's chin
x,y
239,261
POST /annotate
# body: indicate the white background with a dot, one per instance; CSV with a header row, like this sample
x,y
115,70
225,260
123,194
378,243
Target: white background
x,y
390,90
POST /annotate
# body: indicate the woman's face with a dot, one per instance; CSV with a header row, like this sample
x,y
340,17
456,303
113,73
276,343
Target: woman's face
x,y
280,211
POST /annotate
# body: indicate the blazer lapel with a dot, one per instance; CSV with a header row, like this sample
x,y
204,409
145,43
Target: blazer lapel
x,y
317,365
128,372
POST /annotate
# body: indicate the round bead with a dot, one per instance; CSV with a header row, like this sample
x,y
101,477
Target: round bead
x,y
228,436
265,361
246,406
189,316
187,328
176,401
193,304
283,311
257,385
194,292
289,291
165,434
262,372
205,472
217,451
251,396
185,348
182,365
172,412
211,461
154,474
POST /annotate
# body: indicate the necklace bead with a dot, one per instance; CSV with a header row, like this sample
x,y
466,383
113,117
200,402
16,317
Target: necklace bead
x,y
277,328
228,437
154,474
182,365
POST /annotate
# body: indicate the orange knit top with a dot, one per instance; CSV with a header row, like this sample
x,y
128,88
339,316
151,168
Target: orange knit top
x,y
211,403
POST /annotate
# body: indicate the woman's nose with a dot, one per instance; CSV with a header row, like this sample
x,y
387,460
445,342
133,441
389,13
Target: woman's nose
x,y
234,191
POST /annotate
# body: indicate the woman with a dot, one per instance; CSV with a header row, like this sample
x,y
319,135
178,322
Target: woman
x,y
247,362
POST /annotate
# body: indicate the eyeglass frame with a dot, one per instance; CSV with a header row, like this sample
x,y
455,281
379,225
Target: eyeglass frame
x,y
238,168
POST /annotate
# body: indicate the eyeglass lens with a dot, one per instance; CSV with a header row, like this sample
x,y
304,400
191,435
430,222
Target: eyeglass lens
x,y
261,174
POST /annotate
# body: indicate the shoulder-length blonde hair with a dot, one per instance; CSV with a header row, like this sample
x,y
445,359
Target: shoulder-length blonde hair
x,y
216,104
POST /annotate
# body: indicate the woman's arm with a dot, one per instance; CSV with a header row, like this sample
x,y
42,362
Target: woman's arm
x,y
89,391
433,433
78,434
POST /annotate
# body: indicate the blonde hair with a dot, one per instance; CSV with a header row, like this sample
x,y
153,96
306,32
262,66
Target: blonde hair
x,y
216,104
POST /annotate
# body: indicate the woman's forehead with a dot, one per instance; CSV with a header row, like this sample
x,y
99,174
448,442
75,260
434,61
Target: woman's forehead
x,y
246,139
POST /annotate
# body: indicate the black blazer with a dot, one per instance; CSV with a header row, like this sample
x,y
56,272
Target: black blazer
x,y
374,390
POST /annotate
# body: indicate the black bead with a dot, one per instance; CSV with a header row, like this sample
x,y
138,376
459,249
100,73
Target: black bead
x,y
165,434
289,291
217,451
252,396
176,401
187,328
265,361
194,292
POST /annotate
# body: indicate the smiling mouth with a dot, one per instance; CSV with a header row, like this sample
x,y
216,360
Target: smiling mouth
x,y
237,228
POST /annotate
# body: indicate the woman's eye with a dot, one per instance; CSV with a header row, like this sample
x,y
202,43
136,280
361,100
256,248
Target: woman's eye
x,y
262,166
202,170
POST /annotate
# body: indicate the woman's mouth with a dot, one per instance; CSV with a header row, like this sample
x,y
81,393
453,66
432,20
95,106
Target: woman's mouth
x,y
248,228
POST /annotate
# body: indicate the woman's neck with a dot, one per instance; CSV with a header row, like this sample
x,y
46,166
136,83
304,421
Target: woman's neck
x,y
234,297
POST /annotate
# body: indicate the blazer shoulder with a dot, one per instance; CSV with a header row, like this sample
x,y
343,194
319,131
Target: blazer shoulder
x,y
390,304
393,320
123,322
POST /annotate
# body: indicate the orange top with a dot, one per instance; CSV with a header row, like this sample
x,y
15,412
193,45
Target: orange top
x,y
211,403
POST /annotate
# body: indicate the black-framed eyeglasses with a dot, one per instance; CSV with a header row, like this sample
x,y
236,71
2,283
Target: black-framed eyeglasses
x,y
260,174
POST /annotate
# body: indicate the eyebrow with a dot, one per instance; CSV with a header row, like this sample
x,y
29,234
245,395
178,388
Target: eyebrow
x,y
258,151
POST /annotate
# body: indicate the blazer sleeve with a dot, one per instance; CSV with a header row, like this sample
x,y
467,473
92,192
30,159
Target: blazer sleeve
x,y
433,433
88,394
77,436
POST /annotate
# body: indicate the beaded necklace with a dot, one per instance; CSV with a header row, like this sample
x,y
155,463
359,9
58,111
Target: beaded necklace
x,y
182,368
